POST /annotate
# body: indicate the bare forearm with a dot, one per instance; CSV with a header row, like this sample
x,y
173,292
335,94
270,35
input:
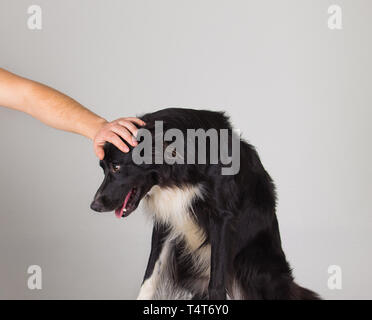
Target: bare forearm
x,y
47,105
62,112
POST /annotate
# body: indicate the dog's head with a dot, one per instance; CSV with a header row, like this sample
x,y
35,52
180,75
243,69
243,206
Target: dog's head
x,y
124,184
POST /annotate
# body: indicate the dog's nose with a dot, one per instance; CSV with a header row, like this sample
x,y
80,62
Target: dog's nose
x,y
97,205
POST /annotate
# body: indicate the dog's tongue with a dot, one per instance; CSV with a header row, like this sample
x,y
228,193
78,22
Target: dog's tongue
x,y
120,212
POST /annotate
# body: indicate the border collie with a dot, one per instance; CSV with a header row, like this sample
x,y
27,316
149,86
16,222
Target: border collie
x,y
215,236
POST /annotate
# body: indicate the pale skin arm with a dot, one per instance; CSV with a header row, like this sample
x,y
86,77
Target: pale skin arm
x,y
59,111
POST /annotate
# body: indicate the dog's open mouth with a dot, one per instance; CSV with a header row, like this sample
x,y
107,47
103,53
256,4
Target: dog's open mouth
x,y
130,203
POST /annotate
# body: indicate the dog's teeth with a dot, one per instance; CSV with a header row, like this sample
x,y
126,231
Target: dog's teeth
x,y
125,210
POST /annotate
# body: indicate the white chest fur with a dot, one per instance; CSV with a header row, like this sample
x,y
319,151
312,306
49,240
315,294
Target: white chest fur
x,y
173,207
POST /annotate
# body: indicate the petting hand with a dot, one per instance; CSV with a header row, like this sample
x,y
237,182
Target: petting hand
x,y
112,132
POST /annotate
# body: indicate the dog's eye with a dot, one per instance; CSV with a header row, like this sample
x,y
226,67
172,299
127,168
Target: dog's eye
x,y
115,167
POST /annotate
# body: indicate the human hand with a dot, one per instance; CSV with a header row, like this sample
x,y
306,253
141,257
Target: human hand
x,y
113,131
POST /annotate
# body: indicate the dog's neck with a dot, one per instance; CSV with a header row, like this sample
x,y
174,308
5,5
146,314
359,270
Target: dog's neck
x,y
172,206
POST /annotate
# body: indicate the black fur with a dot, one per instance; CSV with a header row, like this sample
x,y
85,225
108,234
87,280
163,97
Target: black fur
x,y
237,214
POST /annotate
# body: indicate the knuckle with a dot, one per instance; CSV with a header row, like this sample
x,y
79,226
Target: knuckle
x,y
124,123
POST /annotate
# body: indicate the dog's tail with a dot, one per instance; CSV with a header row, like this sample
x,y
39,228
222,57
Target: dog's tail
x,y
300,293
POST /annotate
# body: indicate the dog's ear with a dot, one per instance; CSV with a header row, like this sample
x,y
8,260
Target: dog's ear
x,y
169,151
173,153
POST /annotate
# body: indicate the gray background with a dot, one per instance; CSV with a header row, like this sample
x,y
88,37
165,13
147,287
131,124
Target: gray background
x,y
298,91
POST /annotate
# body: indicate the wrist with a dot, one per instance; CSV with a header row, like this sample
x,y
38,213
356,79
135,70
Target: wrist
x,y
96,125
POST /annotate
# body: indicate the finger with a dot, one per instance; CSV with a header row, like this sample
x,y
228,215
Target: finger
x,y
98,149
117,142
130,126
124,133
135,120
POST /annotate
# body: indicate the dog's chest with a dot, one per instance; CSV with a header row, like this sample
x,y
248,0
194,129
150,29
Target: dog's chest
x,y
173,207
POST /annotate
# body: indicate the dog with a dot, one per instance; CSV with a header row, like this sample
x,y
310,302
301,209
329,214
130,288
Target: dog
x,y
214,236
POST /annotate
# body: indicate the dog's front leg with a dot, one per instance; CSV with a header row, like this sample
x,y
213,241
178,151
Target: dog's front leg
x,y
218,233
152,274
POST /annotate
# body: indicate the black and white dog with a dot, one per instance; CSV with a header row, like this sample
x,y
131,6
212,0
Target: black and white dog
x,y
215,236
